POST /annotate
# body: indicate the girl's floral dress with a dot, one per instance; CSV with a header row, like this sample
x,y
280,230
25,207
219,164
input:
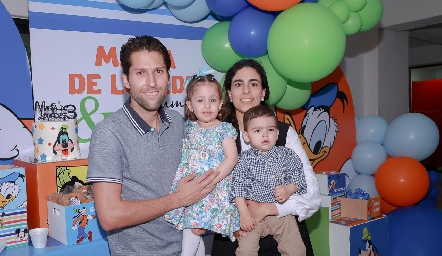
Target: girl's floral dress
x,y
203,150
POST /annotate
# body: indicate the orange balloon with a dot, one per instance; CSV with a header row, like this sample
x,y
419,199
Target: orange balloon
x,y
278,5
402,181
386,207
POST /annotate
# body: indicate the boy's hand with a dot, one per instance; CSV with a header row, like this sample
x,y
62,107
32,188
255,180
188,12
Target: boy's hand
x,y
240,233
283,192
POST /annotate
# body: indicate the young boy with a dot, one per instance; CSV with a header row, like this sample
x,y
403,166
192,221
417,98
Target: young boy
x,y
266,174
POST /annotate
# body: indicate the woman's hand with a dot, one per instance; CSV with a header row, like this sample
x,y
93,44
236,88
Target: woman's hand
x,y
261,210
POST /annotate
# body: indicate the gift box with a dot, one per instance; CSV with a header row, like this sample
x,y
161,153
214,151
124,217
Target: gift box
x,y
354,237
360,208
333,203
13,202
331,183
74,224
14,227
43,179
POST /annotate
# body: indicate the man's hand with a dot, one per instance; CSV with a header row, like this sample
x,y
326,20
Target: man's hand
x,y
192,190
283,192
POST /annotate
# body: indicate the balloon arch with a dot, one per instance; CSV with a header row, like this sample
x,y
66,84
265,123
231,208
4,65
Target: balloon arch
x,y
298,42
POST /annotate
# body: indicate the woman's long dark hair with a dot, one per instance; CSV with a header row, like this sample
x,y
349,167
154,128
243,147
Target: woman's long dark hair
x,y
228,109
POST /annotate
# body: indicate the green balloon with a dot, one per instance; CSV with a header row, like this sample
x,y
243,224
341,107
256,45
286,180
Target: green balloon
x,y
326,3
371,14
277,83
355,5
295,96
216,47
341,10
306,42
353,24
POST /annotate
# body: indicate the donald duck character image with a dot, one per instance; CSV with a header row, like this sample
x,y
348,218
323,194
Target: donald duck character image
x,y
8,189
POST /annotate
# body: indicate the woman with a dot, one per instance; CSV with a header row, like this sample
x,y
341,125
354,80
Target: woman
x,y
246,86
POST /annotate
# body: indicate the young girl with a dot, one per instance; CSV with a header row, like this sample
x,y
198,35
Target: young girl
x,y
209,144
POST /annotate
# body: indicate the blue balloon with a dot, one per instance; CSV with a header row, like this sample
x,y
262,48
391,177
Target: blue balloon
x,y
136,4
428,202
371,128
415,230
179,3
367,156
364,182
155,4
248,32
309,1
433,192
226,8
195,12
434,177
413,135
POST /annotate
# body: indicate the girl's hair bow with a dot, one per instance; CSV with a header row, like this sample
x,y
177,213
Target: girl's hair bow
x,y
205,71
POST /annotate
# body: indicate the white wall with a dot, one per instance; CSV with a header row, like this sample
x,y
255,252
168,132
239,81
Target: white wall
x,y
408,14
376,61
360,66
427,55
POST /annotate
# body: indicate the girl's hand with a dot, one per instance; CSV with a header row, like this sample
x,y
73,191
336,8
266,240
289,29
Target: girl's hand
x,y
283,192
246,222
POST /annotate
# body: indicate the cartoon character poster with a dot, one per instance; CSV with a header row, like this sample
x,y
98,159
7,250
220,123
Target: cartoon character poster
x,y
16,103
326,123
70,176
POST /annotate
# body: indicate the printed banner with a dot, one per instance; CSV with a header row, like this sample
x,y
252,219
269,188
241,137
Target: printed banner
x,y
75,47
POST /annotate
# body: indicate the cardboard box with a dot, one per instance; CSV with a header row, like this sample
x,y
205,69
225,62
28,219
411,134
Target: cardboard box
x,y
333,203
331,183
41,180
361,209
74,224
14,227
354,237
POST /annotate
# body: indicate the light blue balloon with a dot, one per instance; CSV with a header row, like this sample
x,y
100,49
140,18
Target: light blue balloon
x,y
197,11
364,182
179,3
413,135
367,156
136,4
155,4
371,128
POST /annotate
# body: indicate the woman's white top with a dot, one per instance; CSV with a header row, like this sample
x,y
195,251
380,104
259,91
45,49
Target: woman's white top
x,y
304,205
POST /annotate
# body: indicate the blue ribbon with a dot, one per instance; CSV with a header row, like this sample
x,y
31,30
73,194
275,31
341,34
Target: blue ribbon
x,y
358,194
201,72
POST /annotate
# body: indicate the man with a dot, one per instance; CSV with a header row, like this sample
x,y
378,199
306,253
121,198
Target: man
x,y
133,157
